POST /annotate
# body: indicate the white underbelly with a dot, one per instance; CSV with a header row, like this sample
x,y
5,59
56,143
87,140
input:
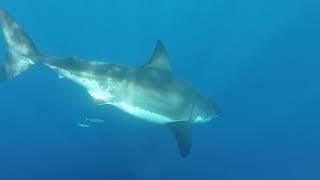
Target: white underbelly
x,y
143,114
93,87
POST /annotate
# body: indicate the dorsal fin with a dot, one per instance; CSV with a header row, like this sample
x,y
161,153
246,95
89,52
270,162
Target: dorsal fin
x,y
159,58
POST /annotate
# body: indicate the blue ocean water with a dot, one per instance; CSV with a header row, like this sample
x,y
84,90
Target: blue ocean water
x,y
259,61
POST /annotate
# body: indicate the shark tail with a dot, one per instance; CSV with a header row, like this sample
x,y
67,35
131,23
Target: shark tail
x,y
21,53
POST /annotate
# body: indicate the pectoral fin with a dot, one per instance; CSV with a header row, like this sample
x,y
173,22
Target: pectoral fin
x,y
182,133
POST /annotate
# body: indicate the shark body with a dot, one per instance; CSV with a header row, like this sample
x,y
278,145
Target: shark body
x,y
151,92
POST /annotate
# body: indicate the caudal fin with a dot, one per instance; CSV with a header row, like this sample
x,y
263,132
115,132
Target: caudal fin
x,y
21,52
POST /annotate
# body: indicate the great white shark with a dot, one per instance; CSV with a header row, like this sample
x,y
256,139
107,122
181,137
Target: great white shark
x,y
151,92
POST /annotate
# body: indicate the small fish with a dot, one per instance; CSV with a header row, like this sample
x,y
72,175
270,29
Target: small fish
x,y
95,120
83,125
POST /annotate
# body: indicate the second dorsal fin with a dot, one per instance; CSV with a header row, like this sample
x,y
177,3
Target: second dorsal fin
x,y
159,58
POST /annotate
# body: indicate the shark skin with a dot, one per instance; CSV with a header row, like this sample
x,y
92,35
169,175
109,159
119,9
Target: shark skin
x,y
151,92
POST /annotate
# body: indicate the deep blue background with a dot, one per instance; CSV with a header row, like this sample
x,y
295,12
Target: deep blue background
x,y
259,60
